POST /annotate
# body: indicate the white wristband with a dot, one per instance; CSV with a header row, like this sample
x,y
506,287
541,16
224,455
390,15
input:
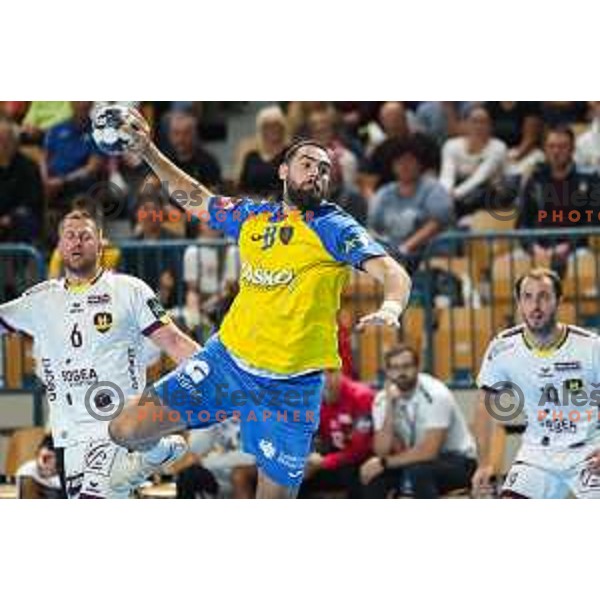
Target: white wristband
x,y
393,307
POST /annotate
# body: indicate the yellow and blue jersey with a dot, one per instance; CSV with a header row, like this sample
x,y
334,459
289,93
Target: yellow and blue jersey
x,y
293,269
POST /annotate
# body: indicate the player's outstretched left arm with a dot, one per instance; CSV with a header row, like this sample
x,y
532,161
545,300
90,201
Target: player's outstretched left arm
x,y
396,291
173,342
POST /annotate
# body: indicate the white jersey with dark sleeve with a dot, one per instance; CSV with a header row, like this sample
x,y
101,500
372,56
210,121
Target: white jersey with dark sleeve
x,y
84,337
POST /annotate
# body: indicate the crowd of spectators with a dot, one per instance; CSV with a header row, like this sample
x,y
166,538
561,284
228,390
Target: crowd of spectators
x,y
409,170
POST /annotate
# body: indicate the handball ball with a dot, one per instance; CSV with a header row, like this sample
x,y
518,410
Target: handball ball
x,y
107,130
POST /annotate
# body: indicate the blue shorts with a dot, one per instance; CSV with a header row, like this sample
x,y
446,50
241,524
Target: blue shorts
x,y
278,417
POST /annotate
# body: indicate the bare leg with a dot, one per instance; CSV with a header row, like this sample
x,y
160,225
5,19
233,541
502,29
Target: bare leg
x,y
268,489
140,427
243,482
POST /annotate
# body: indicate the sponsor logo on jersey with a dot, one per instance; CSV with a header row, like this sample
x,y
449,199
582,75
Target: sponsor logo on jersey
x,y
103,322
267,448
132,368
268,278
76,308
354,240
156,308
49,379
197,370
546,372
571,365
96,299
79,377
290,461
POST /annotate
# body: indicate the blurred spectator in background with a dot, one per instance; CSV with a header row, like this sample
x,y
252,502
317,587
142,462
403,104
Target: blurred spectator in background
x,y
298,112
473,164
186,151
258,158
422,443
587,148
39,478
13,109
191,318
208,267
355,119
157,265
216,466
563,113
42,115
71,164
519,125
343,440
209,272
409,212
21,190
351,200
322,128
393,121
442,120
395,127
557,194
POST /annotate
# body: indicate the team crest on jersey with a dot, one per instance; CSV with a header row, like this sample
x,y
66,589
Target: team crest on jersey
x,y
285,234
574,385
103,322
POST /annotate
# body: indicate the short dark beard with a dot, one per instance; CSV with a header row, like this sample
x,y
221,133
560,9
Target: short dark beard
x,y
408,387
544,332
303,200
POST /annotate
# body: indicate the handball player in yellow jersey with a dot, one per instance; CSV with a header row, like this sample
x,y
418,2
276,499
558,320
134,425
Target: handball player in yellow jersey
x,y
265,365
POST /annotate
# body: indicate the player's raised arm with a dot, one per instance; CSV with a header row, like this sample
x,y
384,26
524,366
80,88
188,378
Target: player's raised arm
x,y
184,191
396,291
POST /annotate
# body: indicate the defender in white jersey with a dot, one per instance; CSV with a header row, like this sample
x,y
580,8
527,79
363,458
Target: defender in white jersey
x,y
553,372
89,331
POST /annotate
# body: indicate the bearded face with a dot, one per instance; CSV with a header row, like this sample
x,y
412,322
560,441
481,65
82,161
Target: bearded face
x,y
306,176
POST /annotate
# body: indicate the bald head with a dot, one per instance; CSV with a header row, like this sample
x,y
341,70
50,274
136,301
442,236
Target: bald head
x,y
392,116
182,134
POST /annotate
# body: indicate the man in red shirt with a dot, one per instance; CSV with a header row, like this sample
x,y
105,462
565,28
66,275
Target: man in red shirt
x,y
344,438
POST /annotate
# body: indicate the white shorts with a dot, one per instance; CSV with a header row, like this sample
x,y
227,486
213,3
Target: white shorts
x,y
88,465
561,475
